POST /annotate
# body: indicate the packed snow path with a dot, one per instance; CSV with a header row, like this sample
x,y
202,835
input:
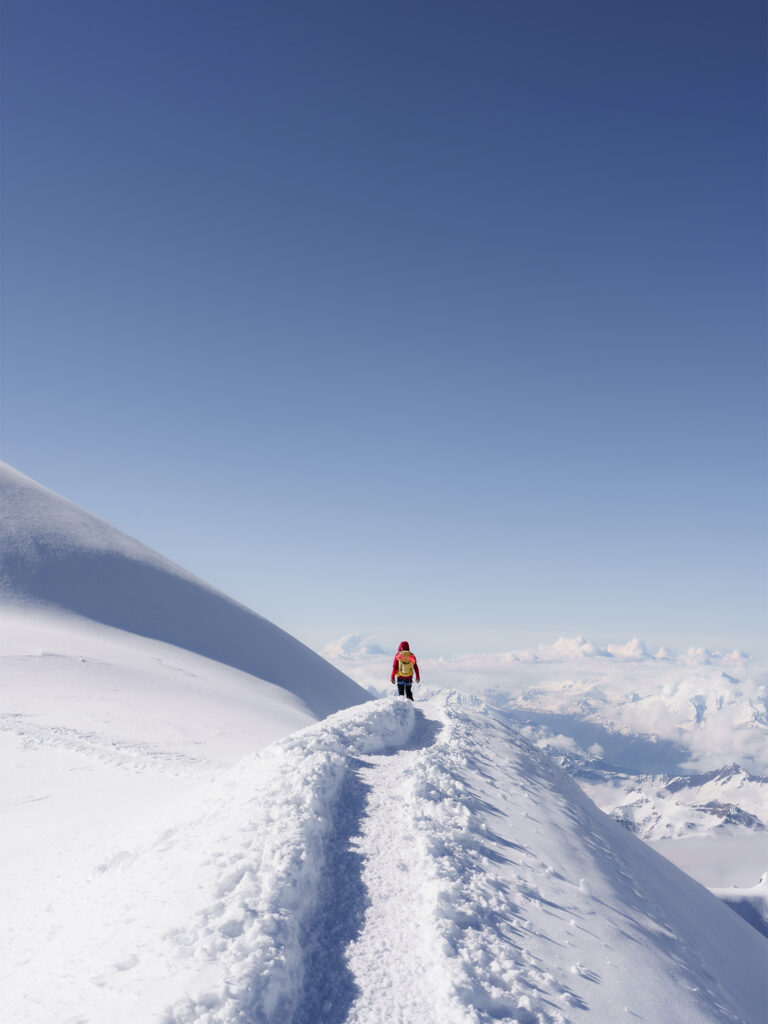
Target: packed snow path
x,y
393,863
382,961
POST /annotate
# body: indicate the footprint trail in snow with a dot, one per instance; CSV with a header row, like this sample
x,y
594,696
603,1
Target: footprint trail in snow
x,y
396,959
393,864
443,909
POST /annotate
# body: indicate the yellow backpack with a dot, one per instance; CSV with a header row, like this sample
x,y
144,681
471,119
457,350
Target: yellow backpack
x,y
405,660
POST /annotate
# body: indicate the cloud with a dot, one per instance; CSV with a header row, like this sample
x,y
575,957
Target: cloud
x,y
634,650
576,651
565,648
697,656
351,647
566,744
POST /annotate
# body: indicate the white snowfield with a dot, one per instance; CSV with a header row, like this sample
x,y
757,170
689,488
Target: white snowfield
x,y
57,558
125,684
393,863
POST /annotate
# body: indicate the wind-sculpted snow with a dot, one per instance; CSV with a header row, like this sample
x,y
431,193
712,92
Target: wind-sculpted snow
x,y
750,903
545,909
394,863
211,910
138,757
54,555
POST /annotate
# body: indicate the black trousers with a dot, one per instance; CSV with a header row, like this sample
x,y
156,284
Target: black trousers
x,y
405,686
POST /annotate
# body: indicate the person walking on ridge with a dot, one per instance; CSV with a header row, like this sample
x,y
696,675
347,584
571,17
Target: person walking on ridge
x,y
404,669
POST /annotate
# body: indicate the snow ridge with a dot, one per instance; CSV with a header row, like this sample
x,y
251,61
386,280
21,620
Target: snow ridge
x,y
395,862
397,959
426,863
268,875
493,975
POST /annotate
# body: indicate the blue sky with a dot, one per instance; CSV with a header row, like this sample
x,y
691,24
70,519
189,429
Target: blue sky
x,y
437,319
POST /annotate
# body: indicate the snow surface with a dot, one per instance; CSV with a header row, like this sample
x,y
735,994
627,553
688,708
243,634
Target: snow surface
x,y
184,843
389,864
627,725
57,556
106,726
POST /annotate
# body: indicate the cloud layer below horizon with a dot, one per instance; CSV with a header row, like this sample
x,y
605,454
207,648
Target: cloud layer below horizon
x,y
712,703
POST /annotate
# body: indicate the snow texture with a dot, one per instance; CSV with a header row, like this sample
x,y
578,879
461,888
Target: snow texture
x,y
392,863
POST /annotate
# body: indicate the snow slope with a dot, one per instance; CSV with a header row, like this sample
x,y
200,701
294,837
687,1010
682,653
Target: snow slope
x,y
56,556
393,863
675,747
751,903
125,685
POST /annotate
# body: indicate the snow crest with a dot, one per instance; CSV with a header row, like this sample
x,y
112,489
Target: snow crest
x,y
395,862
57,558
492,974
268,872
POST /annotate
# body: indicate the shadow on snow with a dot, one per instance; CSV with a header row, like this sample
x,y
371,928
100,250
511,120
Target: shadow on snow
x,y
329,986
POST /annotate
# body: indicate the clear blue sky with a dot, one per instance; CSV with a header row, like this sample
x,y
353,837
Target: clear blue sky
x,y
431,319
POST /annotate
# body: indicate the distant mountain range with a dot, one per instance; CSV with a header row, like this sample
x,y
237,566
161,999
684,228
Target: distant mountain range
x,y
656,807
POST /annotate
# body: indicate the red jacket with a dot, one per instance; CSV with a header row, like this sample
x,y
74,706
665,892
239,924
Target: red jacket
x,y
414,662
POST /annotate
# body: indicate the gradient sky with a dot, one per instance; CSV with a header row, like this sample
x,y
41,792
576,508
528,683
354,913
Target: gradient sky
x,y
437,319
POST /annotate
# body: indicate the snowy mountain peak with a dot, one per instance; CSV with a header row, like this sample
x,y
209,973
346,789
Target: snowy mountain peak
x,y
56,556
727,773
